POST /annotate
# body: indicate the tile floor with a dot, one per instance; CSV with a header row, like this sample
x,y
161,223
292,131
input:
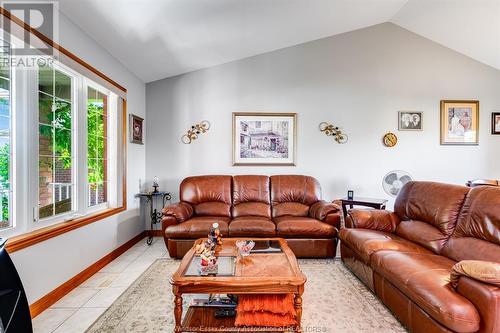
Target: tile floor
x,y
75,312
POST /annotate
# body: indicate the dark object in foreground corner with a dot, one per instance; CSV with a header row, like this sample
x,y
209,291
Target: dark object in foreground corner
x,y
482,182
14,309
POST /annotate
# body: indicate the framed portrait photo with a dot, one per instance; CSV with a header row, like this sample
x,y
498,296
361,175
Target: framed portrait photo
x,y
495,123
410,120
136,129
264,138
459,122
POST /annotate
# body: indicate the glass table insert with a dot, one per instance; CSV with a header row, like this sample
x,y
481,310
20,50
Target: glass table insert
x,y
226,266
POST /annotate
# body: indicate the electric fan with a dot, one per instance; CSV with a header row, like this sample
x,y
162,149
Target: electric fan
x,y
394,181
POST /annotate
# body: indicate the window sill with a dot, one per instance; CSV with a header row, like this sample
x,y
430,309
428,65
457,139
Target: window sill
x,y
31,238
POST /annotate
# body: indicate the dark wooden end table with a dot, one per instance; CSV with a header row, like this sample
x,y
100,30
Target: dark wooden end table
x,y
360,201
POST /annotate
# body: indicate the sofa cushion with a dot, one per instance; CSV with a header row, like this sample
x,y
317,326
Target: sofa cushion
x,y
209,195
197,227
424,278
365,242
251,188
433,207
252,226
291,209
477,235
251,196
293,194
422,233
303,227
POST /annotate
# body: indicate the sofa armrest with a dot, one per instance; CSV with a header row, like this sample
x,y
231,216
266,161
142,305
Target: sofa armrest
x,y
182,211
321,209
486,299
375,219
167,221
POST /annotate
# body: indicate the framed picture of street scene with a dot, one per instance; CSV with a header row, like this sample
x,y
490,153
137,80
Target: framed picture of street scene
x,y
264,138
459,122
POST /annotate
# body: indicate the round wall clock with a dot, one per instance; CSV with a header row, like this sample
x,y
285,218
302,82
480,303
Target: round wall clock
x,y
390,139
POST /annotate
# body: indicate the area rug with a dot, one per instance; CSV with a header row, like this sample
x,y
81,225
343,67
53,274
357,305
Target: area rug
x,y
334,301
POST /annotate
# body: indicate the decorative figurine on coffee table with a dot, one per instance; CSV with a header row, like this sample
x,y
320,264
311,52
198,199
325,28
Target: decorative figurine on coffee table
x,y
201,247
208,262
215,235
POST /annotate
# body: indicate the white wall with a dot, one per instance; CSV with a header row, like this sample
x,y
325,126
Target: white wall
x,y
45,266
359,81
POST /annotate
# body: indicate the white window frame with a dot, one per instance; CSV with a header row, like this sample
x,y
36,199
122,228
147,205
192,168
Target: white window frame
x,y
12,132
105,205
37,222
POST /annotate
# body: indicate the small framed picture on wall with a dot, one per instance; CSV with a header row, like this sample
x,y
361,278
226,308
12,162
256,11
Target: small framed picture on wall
x,y
459,122
495,123
410,120
136,129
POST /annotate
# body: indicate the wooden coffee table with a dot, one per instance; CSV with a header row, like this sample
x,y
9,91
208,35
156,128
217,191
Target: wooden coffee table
x,y
271,271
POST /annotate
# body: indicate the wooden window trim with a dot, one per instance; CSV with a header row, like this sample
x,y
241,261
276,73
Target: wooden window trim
x,y
58,47
31,238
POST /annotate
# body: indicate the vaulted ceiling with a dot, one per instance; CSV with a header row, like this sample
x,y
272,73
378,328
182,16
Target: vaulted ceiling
x,y
156,39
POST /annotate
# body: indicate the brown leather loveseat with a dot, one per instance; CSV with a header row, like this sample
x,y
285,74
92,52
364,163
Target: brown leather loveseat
x,y
405,257
253,206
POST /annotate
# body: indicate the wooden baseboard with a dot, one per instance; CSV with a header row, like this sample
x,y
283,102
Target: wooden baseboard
x,y
154,233
46,301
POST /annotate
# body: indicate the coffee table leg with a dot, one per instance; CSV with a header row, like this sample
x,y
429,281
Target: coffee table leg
x,y
298,310
178,312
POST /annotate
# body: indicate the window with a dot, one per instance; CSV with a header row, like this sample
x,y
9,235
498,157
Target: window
x,y
5,140
72,130
55,157
97,143
62,134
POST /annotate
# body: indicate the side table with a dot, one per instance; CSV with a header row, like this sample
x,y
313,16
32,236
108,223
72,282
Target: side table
x,y
360,201
155,214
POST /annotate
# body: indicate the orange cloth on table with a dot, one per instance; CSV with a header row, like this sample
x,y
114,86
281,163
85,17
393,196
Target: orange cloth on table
x,y
265,310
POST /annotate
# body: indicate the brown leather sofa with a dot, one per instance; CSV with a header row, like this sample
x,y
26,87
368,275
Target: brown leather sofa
x,y
405,257
253,206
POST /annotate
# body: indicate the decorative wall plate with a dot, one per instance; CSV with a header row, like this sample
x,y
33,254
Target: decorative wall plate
x,y
390,139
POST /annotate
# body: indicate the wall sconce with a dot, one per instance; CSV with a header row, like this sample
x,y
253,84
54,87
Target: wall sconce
x,y
194,131
334,131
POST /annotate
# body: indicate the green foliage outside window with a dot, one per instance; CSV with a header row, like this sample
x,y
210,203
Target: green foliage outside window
x,y
4,173
95,141
60,129
61,120
4,179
